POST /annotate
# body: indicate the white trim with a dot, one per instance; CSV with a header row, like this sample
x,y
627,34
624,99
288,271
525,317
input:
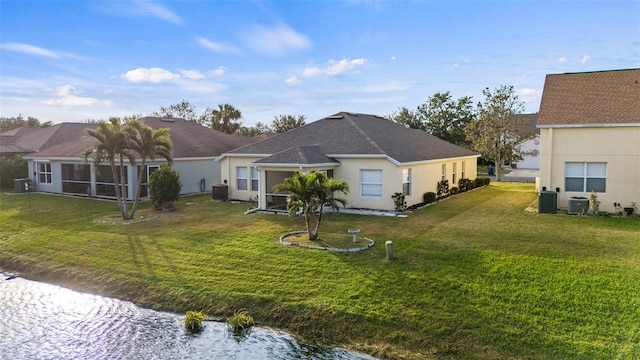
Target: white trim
x,y
289,165
587,125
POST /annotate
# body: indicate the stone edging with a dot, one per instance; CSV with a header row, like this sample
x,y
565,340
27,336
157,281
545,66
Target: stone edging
x,y
287,243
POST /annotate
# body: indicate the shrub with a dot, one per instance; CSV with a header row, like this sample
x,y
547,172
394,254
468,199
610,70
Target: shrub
x,y
164,187
399,202
454,190
12,167
193,321
479,182
240,321
487,181
429,197
465,184
443,189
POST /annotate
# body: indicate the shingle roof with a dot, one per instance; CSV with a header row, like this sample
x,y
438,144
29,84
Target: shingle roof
x,y
32,139
528,126
188,139
604,97
359,134
299,155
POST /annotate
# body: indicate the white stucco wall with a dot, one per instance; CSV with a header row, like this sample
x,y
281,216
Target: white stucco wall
x,y
530,161
618,147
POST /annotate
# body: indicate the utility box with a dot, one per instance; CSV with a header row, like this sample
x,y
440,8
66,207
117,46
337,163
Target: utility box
x,y
548,202
21,185
578,205
220,192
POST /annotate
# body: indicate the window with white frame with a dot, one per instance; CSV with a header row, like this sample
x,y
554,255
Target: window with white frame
x,y
444,172
453,173
43,170
255,179
585,176
406,181
371,183
462,170
241,178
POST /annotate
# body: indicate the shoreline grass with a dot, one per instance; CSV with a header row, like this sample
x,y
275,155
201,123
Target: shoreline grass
x,y
475,276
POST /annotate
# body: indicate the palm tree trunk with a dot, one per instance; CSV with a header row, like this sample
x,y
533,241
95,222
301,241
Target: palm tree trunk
x,y
138,187
124,194
316,232
116,185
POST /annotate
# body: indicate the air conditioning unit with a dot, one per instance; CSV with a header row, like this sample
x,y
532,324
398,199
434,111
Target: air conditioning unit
x,y
548,202
578,205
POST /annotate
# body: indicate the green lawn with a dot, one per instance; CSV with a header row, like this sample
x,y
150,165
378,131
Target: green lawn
x,y
475,276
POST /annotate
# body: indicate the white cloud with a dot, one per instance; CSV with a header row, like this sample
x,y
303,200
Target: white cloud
x,y
218,72
154,75
140,8
455,66
150,8
528,91
393,57
275,41
29,50
192,74
66,96
203,87
585,59
562,60
215,46
292,80
333,68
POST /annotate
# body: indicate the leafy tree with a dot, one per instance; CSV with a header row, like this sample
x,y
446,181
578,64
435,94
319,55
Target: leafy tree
x,y
225,118
10,123
283,123
260,128
181,110
164,187
148,144
447,119
495,133
12,167
408,118
312,192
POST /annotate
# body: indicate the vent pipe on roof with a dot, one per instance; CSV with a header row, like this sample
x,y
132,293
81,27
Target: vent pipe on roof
x,y
167,120
335,117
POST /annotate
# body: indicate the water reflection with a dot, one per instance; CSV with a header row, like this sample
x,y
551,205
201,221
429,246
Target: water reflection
x,y
42,321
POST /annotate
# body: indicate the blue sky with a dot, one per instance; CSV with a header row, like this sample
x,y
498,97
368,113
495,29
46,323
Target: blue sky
x,y
76,60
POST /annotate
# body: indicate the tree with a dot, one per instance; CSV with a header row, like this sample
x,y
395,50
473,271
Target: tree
x,y
117,142
447,119
182,110
283,123
408,118
260,128
312,192
11,123
495,133
224,118
164,187
112,146
148,144
12,167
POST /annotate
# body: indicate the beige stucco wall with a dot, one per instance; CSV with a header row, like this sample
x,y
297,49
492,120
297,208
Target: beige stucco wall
x,y
424,178
618,147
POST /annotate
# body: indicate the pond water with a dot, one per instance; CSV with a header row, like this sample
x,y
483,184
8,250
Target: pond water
x,y
43,321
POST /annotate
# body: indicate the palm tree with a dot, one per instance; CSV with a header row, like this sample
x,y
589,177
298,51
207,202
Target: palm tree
x,y
148,144
312,192
223,118
112,145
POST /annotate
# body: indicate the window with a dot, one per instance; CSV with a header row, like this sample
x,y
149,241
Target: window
x,y
105,184
453,173
44,172
241,178
406,181
76,179
585,176
444,172
371,183
255,177
462,170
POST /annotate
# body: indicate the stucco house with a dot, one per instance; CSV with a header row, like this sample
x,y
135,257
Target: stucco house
x,y
531,145
375,156
59,168
590,137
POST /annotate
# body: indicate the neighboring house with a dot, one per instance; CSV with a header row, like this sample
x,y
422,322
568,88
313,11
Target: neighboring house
x,y
28,139
590,136
60,168
375,156
529,131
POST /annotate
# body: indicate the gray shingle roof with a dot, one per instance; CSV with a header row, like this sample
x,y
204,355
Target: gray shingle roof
x,y
189,140
359,134
32,139
299,155
602,97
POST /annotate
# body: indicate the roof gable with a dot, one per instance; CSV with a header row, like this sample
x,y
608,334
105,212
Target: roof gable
x,y
604,97
349,134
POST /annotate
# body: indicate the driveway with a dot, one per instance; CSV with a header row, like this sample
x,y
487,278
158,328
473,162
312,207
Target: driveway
x,y
524,175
